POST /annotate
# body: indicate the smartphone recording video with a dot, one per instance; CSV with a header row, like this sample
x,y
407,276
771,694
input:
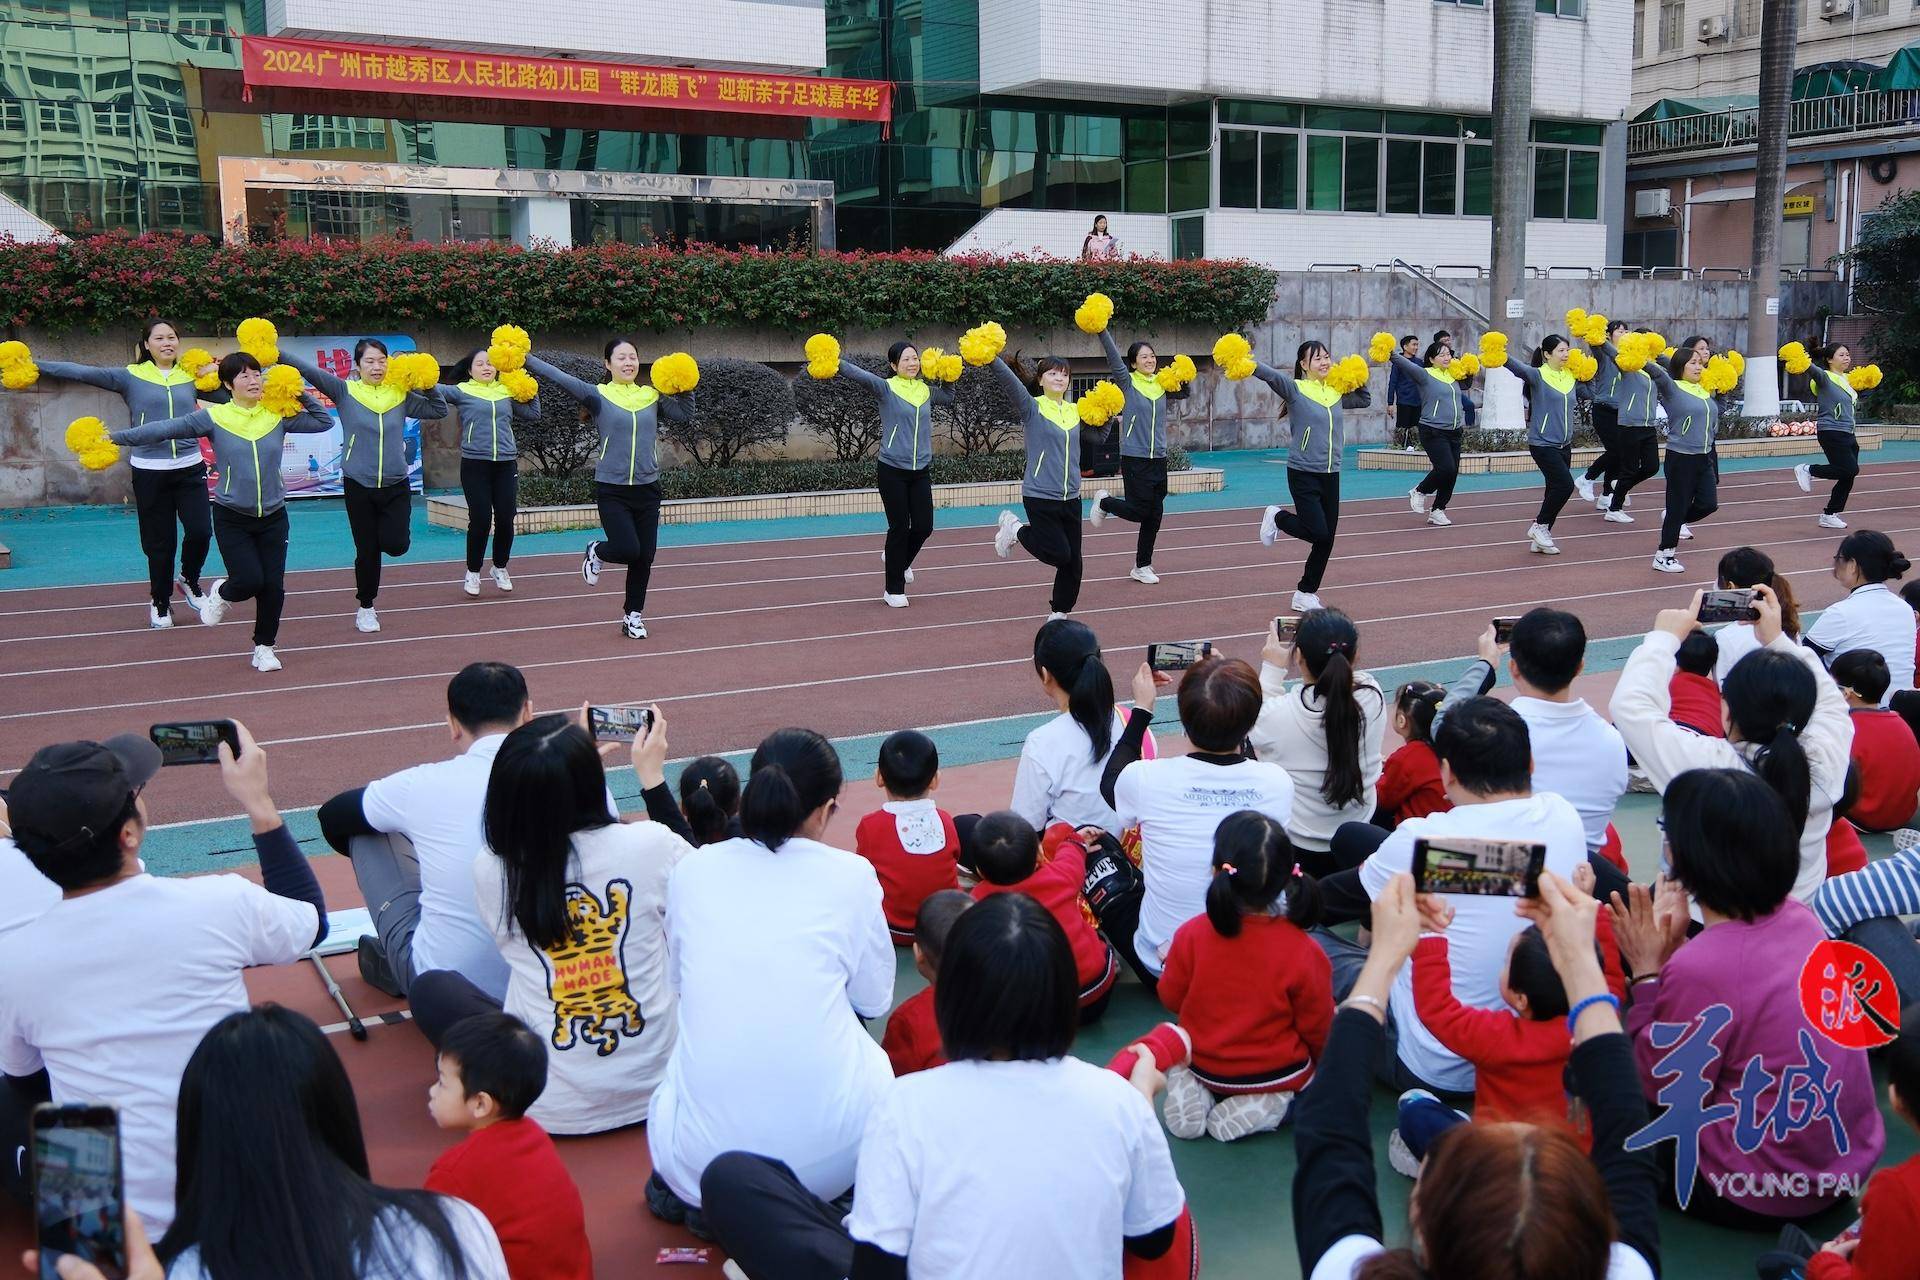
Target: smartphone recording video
x,y
194,741
1286,628
1483,868
79,1202
618,724
1503,630
1728,606
1177,656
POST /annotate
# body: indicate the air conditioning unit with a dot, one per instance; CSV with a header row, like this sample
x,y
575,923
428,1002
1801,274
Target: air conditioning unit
x,y
1654,202
1714,28
1833,9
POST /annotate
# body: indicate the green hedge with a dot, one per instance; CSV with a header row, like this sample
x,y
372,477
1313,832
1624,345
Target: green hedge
x,y
747,478
330,285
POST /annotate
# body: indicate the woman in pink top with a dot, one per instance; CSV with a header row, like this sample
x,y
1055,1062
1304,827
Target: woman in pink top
x,y
1099,246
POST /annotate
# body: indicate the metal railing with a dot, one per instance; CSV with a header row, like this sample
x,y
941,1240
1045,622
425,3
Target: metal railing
x,y
1876,109
1425,277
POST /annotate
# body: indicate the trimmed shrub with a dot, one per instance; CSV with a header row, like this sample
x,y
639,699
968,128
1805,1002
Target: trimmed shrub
x,y
739,406
842,410
560,442
984,417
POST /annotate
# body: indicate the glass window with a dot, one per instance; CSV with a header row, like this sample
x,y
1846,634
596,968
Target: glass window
x,y
1363,176
1549,182
1465,4
1343,119
59,117
1424,123
1477,194
1190,237
1146,187
1403,176
1282,115
1189,182
1279,170
1324,154
1189,127
1012,131
1583,184
1438,176
13,117
1146,138
1239,169
1579,135
1673,23
1639,28
1562,8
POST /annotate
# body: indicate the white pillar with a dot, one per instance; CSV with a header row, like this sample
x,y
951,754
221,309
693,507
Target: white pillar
x,y
544,219
1502,408
1760,386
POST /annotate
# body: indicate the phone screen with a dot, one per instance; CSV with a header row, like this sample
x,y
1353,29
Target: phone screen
x,y
1483,868
194,741
1503,630
1286,627
1177,656
79,1204
1728,606
617,724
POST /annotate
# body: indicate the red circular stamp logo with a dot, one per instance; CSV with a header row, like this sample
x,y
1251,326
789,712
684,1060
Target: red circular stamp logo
x,y
1849,995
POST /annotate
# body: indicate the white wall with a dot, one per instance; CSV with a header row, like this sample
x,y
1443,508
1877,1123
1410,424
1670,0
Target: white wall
x,y
1295,241
1058,233
1732,65
1416,54
782,35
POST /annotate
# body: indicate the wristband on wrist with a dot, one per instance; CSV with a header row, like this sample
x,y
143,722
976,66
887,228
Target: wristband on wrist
x,y
1368,1000
1604,997
1644,977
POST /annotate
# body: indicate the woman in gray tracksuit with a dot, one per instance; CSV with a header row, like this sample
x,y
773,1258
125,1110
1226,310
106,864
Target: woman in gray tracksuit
x,y
1441,421
626,478
374,473
1635,452
1050,485
1550,397
489,461
1693,416
1143,449
904,472
1834,429
169,479
1606,419
250,503
1313,465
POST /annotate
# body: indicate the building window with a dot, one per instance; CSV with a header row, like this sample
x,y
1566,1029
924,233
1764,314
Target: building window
x,y
1561,8
1673,24
1481,4
1190,237
1639,28
1476,194
13,116
59,117
1871,8
1566,184
1746,19
1259,169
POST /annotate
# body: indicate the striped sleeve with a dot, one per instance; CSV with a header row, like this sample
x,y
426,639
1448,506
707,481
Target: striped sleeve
x,y
1889,887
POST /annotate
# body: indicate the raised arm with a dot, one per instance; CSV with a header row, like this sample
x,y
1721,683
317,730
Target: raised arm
x,y
426,404
335,389
940,392
1657,370
1334,1194
311,420
1011,381
865,377
185,427
1642,710
1412,368
1525,372
677,408
106,377
1116,363
527,411
585,392
1280,382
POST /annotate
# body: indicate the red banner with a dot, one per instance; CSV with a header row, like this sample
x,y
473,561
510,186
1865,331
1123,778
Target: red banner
x,y
327,64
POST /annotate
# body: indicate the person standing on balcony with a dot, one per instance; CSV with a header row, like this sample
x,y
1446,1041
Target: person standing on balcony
x,y
1099,246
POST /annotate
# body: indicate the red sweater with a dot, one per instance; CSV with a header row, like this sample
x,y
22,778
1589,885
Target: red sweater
x,y
1844,851
1889,1224
1254,1004
906,879
1696,703
912,1038
511,1172
1519,1064
1889,762
1410,784
1055,885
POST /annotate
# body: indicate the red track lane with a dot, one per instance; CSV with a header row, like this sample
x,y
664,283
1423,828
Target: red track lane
x,y
750,636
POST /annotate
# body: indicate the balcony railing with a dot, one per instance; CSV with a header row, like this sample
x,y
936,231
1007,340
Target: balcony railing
x,y
1877,109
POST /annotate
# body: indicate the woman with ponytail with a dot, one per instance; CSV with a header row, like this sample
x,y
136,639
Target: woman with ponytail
x,y
778,948
1313,464
485,413
1143,447
1785,719
1050,485
1061,762
1693,420
1871,616
1834,430
1325,731
1550,396
1751,567
1606,421
1253,993
1442,418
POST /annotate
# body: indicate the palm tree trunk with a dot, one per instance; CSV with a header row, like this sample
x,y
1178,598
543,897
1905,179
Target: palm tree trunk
x,y
1513,24
1779,29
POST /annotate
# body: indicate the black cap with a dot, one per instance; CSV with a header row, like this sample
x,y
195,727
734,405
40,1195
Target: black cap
x,y
76,790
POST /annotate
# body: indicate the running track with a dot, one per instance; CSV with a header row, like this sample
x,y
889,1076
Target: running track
x,y
747,637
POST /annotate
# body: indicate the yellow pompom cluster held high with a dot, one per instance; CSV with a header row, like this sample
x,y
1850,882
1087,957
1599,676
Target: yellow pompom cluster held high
x,y
519,384
1101,402
1794,356
280,393
1348,375
1177,374
940,366
17,369
193,360
87,437
1464,365
673,374
1594,332
823,356
1865,378
259,339
507,348
1636,349
1582,366
412,371
1381,349
980,344
1720,376
1577,321
1234,355
1094,313
1493,349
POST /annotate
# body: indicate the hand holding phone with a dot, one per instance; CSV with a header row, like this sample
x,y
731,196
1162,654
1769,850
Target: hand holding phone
x,y
1177,655
617,724
1503,630
650,750
1484,868
194,741
1286,628
79,1199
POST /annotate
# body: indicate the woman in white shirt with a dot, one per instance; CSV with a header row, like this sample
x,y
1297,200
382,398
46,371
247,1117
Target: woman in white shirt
x,y
1014,1159
1325,731
273,1167
1872,616
1061,762
778,947
1750,567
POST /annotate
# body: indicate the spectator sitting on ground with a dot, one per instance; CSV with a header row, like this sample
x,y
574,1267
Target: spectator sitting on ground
x,y
413,836
273,1166
910,840
108,991
1693,692
1907,701
912,1038
1745,567
1410,780
1061,762
709,807
1011,859
1884,750
24,892
1871,616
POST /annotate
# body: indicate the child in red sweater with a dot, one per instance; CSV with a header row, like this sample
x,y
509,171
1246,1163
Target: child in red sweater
x,y
1252,991
1884,749
911,843
1880,1246
491,1070
1008,855
1410,781
1694,696
912,1038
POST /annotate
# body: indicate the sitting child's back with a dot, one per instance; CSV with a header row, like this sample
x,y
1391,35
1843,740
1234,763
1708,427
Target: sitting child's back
x,y
911,842
1010,859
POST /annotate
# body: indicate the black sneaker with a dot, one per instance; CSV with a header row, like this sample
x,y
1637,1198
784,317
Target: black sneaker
x,y
374,969
668,1207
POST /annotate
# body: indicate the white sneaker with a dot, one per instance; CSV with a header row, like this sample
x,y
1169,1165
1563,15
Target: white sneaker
x,y
893,601
1602,503
1186,1105
1006,533
1686,533
1268,529
213,606
158,619
634,626
263,658
1617,517
1241,1115
1403,1161
1099,514
1144,573
1306,602
731,1270
1830,521
1417,501
590,564
1439,517
1541,539
1055,616
502,579
1904,839
1803,476
1665,562
1584,487
366,619
909,575
193,597
471,584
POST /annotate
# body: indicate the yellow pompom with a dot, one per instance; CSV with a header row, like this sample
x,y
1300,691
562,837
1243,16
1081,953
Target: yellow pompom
x,y
676,373
259,339
1094,313
1719,376
1381,349
100,457
1464,366
1098,406
1865,378
1493,349
86,433
19,377
1582,366
951,367
195,359
1576,320
980,344
14,353
1348,375
1595,331
823,355
280,393
1656,343
507,347
520,385
411,371
1234,355
1794,356
1183,368
940,366
1738,361
1176,373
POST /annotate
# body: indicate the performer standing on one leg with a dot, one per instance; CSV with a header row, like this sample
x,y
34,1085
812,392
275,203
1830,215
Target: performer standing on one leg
x,y
1606,422
485,407
627,476
1143,438
1438,378
1635,455
1693,418
1550,398
1050,489
1833,384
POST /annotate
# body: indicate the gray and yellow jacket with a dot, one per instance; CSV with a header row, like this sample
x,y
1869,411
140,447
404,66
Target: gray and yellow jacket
x,y
151,394
1693,415
373,422
906,415
1439,394
1633,394
627,415
246,447
1319,434
1052,429
1606,383
1550,397
1837,400
486,414
1143,423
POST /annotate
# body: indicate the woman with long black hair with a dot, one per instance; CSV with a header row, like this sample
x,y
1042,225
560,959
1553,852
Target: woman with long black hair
x,y
1550,397
485,413
1441,421
626,477
1313,464
1834,431
1050,485
273,1168
1870,615
1693,419
1143,449
1606,421
169,477
1062,761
